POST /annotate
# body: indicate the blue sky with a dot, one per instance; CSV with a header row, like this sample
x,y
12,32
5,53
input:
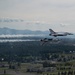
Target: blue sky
x,y
38,14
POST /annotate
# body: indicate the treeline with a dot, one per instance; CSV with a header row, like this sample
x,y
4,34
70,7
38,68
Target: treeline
x,y
30,51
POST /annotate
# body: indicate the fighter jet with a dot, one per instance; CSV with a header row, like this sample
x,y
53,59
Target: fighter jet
x,y
46,40
55,34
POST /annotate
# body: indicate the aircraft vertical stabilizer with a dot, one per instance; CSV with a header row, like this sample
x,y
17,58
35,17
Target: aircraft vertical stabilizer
x,y
52,32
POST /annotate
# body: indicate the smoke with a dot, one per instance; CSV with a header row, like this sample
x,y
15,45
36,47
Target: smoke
x,y
17,36
16,40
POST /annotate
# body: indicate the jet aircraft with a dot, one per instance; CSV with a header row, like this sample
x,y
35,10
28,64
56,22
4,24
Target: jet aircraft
x,y
55,34
51,40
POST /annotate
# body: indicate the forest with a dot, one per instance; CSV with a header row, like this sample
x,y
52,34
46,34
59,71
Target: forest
x,y
32,50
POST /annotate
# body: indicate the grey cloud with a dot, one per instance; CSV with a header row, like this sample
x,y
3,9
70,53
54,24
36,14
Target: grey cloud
x,y
49,11
11,20
65,24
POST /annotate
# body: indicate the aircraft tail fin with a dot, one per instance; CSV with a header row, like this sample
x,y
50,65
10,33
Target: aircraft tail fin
x,y
51,31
